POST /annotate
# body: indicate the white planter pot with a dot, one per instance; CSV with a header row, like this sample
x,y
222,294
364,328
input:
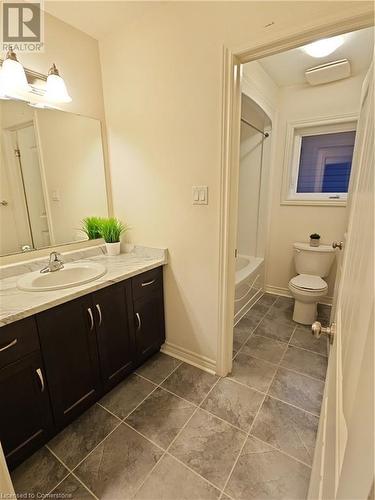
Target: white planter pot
x,y
314,243
113,248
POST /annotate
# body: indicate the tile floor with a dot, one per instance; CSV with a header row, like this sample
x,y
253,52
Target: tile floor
x,y
172,431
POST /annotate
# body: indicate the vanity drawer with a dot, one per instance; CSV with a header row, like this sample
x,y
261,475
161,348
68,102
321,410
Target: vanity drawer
x,y
17,340
147,283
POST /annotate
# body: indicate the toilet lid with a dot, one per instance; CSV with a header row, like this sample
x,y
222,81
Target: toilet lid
x,y
309,282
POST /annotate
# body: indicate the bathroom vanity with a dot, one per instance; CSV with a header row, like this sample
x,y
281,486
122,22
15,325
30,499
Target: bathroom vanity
x,y
77,345
63,347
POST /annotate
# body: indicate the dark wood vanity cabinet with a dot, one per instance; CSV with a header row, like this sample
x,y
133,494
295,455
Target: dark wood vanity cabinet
x,y
25,412
59,362
68,342
148,312
112,308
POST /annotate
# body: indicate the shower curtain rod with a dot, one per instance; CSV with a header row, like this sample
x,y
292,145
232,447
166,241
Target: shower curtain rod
x,y
266,134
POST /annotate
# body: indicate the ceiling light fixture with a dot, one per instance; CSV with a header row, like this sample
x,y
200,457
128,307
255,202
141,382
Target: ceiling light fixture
x,y
13,76
324,47
55,88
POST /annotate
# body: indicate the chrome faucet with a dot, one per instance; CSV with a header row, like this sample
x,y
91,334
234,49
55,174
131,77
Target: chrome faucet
x,y
55,263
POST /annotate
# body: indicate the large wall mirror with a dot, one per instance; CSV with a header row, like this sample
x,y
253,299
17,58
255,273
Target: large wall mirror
x,y
52,176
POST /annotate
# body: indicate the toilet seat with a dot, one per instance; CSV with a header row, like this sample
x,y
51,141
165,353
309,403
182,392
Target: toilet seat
x,y
309,282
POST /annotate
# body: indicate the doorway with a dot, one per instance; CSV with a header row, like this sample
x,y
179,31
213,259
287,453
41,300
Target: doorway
x,y
234,193
23,205
233,63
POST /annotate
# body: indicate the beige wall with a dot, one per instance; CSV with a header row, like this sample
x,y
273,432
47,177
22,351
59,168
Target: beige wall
x,y
77,57
162,75
296,223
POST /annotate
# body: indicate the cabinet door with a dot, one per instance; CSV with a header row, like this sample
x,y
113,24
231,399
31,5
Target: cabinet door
x,y
68,340
115,335
149,315
25,416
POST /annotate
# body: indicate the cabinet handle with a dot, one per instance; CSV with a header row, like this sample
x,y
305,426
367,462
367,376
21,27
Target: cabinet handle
x,y
99,312
139,321
91,319
40,375
146,283
11,344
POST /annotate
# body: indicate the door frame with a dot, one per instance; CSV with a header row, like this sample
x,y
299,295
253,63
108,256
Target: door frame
x,y
14,173
278,41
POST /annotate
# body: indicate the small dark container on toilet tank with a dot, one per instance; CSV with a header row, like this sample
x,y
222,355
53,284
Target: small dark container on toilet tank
x,y
314,240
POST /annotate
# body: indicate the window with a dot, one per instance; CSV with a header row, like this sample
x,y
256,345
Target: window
x,y
319,163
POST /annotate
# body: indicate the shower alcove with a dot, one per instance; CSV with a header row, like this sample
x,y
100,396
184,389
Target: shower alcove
x,y
255,149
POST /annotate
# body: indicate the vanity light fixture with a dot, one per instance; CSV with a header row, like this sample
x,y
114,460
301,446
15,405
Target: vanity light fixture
x,y
324,47
14,84
2,89
13,77
55,88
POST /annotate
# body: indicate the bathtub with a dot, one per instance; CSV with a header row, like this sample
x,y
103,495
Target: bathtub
x,y
249,283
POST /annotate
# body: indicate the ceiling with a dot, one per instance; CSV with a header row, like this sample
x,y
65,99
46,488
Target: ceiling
x,y
99,18
288,68
96,18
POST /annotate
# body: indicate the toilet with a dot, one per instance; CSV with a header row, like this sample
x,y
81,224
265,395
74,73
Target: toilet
x,y
308,287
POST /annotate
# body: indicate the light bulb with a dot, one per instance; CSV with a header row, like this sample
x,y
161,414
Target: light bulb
x,y
324,47
2,90
13,76
56,90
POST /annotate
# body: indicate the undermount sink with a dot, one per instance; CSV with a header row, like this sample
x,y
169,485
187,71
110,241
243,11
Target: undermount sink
x,y
73,274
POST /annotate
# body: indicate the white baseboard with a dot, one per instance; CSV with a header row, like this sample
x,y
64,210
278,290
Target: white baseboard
x,y
207,364
192,358
276,290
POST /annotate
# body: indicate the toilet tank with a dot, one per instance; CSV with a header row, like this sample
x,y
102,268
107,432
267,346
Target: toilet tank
x,y
313,260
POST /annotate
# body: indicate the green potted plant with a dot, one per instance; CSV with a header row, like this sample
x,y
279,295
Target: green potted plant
x,y
314,240
91,227
111,230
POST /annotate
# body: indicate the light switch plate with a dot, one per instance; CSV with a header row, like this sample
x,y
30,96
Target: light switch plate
x,y
200,195
55,195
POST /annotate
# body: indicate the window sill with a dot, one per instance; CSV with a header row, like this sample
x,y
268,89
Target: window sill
x,y
319,203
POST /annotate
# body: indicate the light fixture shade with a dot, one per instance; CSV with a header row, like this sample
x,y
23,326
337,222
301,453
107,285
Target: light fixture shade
x,y
324,47
56,90
2,90
13,77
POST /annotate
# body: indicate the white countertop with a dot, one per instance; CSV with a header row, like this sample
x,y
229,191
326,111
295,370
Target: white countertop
x,y
16,304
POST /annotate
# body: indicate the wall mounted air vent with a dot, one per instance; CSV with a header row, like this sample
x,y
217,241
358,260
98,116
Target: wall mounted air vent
x,y
328,72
